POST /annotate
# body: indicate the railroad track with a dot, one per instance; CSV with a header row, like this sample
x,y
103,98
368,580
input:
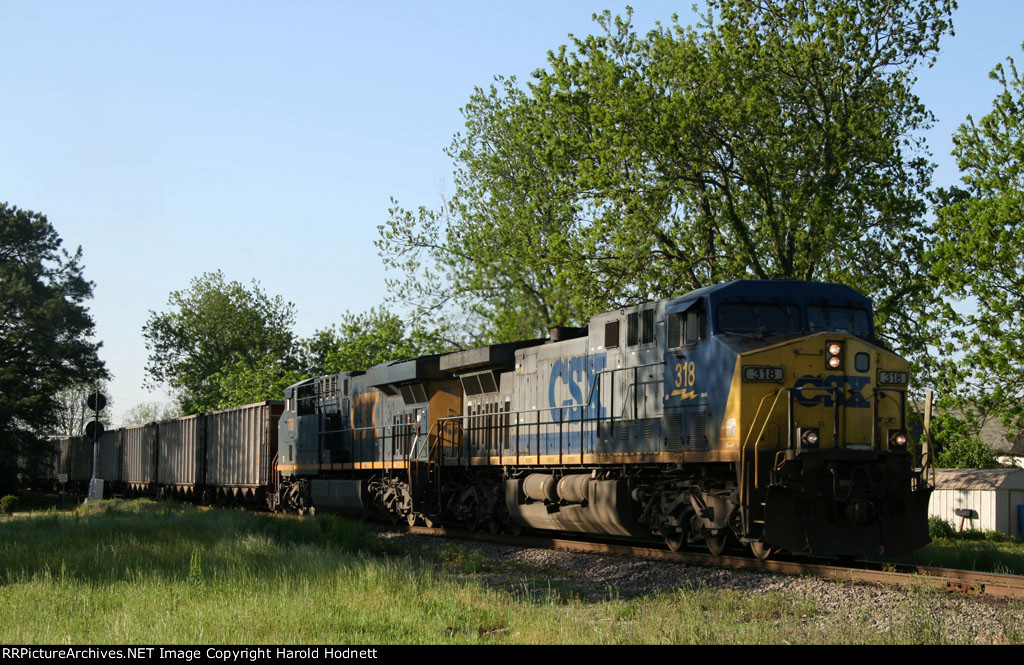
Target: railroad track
x,y
969,582
990,585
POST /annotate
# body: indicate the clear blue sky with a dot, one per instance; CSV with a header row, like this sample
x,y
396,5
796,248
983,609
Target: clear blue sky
x,y
266,138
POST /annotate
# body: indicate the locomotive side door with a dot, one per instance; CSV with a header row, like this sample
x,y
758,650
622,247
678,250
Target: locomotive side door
x,y
686,409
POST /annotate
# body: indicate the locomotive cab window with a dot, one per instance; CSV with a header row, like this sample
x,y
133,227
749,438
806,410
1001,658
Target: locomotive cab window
x,y
695,326
839,319
759,319
687,328
306,400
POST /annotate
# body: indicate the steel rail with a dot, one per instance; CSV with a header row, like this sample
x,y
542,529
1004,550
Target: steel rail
x,y
991,585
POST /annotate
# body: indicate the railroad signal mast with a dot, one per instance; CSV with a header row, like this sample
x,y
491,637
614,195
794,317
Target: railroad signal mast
x,y
94,429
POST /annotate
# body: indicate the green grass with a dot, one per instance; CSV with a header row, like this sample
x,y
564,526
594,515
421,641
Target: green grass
x,y
977,555
29,502
977,550
145,572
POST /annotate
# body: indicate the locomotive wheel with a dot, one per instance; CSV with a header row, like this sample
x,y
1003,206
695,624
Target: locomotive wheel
x,y
470,510
716,543
761,551
675,540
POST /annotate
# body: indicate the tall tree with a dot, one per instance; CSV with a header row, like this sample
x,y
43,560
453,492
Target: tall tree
x,y
773,140
45,331
508,255
214,330
247,381
361,341
979,258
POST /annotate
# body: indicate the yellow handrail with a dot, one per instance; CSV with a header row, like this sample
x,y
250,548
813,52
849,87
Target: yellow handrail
x,y
746,440
743,448
757,458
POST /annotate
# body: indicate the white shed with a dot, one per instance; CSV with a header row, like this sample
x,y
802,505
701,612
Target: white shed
x,y
995,496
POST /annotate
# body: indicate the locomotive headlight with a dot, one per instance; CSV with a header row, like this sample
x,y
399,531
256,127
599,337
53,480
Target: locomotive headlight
x,y
897,438
834,355
808,437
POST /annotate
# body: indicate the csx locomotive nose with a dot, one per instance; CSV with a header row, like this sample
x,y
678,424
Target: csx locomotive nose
x,y
842,472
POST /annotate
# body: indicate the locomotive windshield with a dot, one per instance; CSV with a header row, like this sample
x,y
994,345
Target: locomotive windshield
x,y
758,318
839,319
768,319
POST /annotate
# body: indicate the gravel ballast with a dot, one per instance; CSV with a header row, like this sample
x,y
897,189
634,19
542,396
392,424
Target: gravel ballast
x,y
599,577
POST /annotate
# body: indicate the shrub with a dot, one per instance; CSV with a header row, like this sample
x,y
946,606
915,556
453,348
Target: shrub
x,y
940,528
8,504
970,534
996,537
965,451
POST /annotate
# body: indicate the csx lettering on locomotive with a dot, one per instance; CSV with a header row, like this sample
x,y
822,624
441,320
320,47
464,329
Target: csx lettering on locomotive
x,y
579,375
830,390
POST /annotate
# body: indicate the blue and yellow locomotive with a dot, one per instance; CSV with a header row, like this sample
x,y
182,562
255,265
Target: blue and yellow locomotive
x,y
764,413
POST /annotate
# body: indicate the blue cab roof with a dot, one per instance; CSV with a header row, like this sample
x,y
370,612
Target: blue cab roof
x,y
778,290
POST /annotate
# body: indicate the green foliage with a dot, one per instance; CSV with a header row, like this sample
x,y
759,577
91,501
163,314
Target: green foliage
x,y
959,445
8,504
221,344
361,341
150,412
45,332
253,380
939,528
466,560
982,534
195,568
968,452
977,257
775,140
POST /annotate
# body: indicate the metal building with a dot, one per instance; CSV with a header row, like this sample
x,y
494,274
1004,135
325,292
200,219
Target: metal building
x,y
994,497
